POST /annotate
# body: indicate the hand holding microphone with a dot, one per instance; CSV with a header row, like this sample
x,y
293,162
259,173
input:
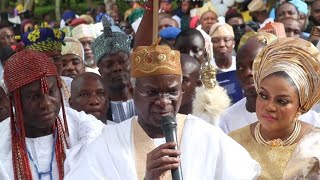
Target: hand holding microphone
x,y
165,157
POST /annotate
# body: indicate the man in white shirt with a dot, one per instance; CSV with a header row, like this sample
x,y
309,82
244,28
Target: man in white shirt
x,y
136,148
36,137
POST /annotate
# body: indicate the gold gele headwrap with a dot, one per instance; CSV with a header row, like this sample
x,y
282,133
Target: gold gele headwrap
x,y
297,58
205,8
154,60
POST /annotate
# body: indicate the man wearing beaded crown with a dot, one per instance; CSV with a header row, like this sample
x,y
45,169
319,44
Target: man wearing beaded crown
x,y
35,138
49,41
136,148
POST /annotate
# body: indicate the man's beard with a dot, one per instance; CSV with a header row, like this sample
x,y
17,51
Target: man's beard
x,y
90,62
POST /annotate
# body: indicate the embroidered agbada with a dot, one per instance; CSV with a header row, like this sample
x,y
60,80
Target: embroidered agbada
x,y
206,154
297,58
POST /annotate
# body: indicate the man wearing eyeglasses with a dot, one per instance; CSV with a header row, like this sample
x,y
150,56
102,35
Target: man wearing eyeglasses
x,y
49,41
6,39
6,36
136,148
235,19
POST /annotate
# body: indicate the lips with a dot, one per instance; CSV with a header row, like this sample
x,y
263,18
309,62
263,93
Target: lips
x,y
164,113
48,116
269,117
118,77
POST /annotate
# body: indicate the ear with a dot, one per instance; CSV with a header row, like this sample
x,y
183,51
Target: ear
x,y
234,44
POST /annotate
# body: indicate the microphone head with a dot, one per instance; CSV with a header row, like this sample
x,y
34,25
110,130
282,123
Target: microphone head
x,y
168,123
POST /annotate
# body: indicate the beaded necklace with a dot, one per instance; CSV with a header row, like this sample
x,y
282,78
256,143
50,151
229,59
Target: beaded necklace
x,y
49,172
65,89
278,142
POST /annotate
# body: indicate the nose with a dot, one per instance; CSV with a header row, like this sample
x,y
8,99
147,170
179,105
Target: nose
x,y
248,72
222,43
12,40
270,107
163,101
93,100
87,47
45,102
117,67
70,67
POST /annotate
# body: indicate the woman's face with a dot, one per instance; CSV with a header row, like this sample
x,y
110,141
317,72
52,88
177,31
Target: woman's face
x,y
277,103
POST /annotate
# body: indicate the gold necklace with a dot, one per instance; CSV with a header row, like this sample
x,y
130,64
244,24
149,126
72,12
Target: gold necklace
x,y
278,142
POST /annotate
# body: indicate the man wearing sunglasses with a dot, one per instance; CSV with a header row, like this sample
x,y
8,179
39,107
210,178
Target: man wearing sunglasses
x,y
235,19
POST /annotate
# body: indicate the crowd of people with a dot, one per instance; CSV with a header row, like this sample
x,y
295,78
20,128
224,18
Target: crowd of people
x,y
86,98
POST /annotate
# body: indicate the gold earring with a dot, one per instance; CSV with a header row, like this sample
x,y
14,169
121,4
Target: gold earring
x,y
297,116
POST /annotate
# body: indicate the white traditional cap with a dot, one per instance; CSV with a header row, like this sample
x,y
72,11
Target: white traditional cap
x,y
83,30
221,29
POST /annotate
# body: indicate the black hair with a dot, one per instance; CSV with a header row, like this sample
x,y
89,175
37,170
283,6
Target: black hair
x,y
282,5
187,33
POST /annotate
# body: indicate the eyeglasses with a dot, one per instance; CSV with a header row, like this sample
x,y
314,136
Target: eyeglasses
x,y
155,95
7,37
240,26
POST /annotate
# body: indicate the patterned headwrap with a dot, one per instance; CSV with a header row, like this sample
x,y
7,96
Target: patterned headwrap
x,y
111,41
297,58
21,69
44,38
73,46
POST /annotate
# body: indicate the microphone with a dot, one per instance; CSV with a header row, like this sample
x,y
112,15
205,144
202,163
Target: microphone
x,y
169,126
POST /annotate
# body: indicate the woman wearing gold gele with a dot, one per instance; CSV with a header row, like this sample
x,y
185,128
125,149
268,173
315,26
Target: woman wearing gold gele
x,y
287,80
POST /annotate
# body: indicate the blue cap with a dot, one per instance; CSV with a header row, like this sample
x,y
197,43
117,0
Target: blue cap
x,y
301,6
68,15
169,33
